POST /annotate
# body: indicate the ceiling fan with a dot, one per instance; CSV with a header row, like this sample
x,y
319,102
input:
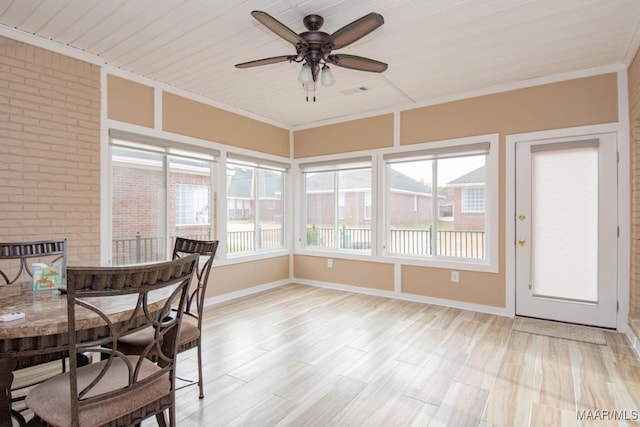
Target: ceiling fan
x,y
314,47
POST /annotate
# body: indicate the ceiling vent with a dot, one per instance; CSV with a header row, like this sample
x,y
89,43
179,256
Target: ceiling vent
x,y
355,90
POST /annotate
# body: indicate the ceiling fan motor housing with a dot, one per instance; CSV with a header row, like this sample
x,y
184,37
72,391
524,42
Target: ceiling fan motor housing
x,y
314,52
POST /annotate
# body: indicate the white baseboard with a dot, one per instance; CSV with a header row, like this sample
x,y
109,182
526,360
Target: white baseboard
x,y
244,292
408,297
633,341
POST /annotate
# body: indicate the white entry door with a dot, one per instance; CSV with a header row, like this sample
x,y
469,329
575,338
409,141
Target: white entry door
x,y
566,229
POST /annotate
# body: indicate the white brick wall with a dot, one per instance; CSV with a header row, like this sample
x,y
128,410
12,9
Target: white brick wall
x,y
49,149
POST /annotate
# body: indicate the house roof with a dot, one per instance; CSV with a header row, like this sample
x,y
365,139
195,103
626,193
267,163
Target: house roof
x,y
474,177
361,179
240,185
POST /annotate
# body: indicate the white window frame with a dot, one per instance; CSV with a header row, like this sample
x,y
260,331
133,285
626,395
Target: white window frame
x,y
332,165
263,165
165,148
459,145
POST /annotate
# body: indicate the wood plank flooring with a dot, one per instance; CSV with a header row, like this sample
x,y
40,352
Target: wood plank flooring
x,y
306,356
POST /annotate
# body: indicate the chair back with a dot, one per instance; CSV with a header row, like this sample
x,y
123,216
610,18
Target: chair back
x,y
25,253
112,302
206,249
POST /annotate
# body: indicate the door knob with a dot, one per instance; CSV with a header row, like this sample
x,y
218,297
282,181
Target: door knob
x,y
521,242
522,217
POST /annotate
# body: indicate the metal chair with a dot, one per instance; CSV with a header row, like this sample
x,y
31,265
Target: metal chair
x,y
191,330
121,389
15,265
50,250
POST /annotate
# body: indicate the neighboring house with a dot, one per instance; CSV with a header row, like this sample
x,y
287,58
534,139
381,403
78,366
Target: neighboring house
x,y
467,195
410,200
135,195
241,198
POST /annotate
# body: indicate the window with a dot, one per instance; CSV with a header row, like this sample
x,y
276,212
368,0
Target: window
x,y
436,203
192,204
255,205
337,205
157,196
367,205
472,200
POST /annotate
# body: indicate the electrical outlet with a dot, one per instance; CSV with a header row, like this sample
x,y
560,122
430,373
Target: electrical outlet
x,y
455,276
329,263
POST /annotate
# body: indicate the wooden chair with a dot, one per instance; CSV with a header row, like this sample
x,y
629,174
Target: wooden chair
x,y
191,330
51,251
103,305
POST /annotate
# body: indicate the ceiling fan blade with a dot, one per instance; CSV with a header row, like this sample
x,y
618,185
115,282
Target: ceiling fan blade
x,y
355,30
266,61
278,27
357,63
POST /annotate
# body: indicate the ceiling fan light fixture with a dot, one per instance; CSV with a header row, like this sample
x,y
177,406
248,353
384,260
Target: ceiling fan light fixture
x,y
326,76
305,75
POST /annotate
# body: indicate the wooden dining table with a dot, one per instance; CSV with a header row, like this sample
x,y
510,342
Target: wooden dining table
x,y
42,335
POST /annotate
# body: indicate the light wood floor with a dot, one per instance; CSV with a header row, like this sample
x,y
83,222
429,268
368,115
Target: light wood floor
x,y
299,355
306,356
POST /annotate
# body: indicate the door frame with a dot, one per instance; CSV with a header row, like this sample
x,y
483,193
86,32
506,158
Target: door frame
x,y
624,207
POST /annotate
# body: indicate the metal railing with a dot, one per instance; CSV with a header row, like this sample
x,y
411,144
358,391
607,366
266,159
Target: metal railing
x,y
244,241
450,243
140,249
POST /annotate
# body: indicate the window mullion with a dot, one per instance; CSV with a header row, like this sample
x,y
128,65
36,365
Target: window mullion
x,y
336,218
256,210
165,219
434,208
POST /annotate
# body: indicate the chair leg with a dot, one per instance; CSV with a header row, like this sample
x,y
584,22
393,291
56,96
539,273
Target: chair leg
x,y
200,382
162,421
7,364
172,415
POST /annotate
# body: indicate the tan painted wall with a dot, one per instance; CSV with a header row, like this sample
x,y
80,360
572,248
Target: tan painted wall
x,y
634,123
579,102
374,275
129,101
49,149
187,117
236,277
132,102
585,101
363,134
474,287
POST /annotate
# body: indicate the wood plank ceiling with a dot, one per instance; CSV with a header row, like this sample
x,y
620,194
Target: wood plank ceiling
x,y
434,48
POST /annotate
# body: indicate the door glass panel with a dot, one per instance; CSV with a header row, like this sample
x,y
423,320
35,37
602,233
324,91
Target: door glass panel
x,y
565,223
